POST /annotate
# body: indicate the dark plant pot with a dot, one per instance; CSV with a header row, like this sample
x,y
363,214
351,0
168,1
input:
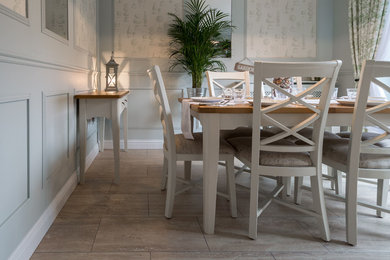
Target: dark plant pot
x,y
196,92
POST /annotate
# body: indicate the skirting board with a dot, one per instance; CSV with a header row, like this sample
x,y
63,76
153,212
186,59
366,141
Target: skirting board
x,y
91,156
31,241
152,144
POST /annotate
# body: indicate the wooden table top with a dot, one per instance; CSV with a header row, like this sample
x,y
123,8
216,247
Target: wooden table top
x,y
291,109
102,94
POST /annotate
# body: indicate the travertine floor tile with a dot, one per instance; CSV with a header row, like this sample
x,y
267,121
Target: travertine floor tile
x,y
86,205
128,204
93,186
186,204
69,236
149,234
92,256
137,185
212,256
273,234
102,220
330,256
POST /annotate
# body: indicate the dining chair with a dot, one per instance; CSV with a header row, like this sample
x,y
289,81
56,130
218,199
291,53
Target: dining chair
x,y
278,156
364,155
223,80
177,148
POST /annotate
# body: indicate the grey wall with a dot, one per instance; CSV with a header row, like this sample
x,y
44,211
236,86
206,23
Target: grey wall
x,y
144,122
342,50
39,77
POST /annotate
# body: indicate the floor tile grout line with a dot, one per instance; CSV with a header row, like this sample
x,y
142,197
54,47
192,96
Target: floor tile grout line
x,y
97,230
203,234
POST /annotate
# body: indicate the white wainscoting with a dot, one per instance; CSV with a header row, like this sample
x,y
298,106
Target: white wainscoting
x,y
14,155
31,241
56,133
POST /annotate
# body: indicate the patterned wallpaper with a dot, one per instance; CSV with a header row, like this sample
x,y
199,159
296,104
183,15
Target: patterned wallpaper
x,y
85,25
56,12
281,28
18,6
141,26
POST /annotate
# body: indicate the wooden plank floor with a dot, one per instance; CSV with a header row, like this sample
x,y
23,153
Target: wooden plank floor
x,y
102,220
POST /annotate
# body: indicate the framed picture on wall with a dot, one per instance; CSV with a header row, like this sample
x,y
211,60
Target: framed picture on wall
x,y
55,19
17,9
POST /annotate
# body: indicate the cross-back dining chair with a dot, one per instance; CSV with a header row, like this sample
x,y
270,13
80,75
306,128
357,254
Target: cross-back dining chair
x,y
223,80
365,155
277,155
177,148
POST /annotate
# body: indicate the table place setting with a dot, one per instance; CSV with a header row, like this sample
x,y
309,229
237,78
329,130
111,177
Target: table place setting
x,y
371,101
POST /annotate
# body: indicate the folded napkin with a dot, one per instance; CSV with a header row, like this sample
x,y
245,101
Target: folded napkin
x,y
186,124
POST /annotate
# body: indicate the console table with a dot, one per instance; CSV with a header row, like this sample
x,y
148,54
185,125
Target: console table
x,y
108,105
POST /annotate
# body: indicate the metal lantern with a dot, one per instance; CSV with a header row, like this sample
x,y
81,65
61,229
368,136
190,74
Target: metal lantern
x,y
112,74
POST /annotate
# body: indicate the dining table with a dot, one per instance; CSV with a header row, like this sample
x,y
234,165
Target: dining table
x,y
215,118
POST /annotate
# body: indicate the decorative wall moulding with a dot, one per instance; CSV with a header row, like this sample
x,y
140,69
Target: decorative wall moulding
x,y
15,154
8,57
16,9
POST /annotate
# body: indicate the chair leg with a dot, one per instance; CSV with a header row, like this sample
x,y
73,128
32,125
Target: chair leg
x,y
187,170
164,175
287,187
231,187
253,205
382,192
332,180
319,204
298,182
171,188
337,181
351,207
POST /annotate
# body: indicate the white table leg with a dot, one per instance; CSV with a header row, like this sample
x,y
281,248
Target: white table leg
x,y
101,128
115,137
125,128
211,127
83,136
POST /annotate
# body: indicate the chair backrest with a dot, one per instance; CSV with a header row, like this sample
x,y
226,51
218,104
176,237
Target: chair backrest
x,y
165,111
264,74
235,80
372,72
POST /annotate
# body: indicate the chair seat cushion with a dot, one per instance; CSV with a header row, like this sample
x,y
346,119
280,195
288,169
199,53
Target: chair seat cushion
x,y
247,132
186,146
243,147
238,132
337,150
367,136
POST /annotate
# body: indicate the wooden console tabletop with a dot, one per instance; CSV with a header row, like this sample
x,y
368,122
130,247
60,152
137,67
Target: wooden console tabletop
x,y
102,94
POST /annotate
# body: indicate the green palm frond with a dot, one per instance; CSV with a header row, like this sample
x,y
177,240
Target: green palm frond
x,y
196,40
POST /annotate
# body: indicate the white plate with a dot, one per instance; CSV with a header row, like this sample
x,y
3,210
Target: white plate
x,y
351,102
206,99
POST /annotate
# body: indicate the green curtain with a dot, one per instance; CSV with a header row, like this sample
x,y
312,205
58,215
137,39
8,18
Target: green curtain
x,y
366,22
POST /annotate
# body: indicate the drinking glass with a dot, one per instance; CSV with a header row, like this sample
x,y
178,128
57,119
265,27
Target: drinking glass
x,y
238,95
335,92
227,93
351,93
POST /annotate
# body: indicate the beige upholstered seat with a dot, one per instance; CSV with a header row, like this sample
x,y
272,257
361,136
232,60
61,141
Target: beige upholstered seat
x,y
367,136
243,146
337,150
186,146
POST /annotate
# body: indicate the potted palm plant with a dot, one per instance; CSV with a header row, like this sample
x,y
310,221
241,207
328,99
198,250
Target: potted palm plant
x,y
197,41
